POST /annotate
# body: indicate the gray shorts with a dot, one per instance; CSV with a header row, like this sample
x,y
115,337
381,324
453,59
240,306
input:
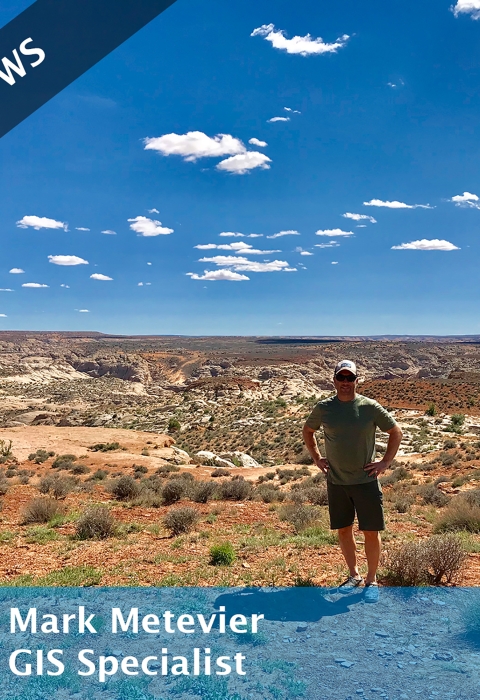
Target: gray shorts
x,y
366,500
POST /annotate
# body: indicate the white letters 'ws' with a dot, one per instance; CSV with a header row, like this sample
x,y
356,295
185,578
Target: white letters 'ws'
x,y
18,67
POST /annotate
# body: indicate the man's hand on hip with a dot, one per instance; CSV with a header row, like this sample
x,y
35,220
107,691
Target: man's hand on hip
x,y
323,465
376,468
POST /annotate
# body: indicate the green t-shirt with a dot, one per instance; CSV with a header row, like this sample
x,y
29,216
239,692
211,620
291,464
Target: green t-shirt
x,y
349,428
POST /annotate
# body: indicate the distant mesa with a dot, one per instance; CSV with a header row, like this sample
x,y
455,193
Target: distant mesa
x,y
297,341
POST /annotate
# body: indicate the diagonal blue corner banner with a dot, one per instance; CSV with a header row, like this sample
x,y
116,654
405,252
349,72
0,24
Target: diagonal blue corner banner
x,y
53,42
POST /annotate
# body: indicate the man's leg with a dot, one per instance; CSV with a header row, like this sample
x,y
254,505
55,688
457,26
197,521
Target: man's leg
x,y
372,551
349,549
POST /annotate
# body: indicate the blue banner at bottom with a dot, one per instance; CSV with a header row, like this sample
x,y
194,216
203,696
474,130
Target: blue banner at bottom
x,y
239,644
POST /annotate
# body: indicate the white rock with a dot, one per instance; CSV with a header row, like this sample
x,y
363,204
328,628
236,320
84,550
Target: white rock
x,y
245,459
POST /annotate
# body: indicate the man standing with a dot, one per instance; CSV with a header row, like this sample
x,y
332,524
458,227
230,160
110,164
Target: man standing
x,y
349,421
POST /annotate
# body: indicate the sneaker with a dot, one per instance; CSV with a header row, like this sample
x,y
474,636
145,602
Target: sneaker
x,y
371,592
350,584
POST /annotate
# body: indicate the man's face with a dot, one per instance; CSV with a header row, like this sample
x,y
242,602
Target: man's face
x,y
345,389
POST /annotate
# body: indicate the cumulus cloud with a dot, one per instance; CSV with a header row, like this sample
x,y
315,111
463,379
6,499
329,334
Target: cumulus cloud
x,y
257,142
16,271
3,315
35,285
332,244
359,217
195,144
239,247
153,211
149,263
66,286
305,252
424,244
333,232
66,260
303,45
229,234
395,205
467,199
146,227
255,235
81,228
290,232
293,111
83,311
242,264
6,290
335,262
219,275
467,7
109,232
278,119
102,278
39,222
242,163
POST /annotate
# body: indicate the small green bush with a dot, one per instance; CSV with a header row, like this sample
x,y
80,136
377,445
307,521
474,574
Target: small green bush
x,y
181,520
64,461
220,472
95,523
125,488
222,554
237,489
432,495
173,425
425,562
174,491
98,475
460,515
203,491
299,515
40,456
105,447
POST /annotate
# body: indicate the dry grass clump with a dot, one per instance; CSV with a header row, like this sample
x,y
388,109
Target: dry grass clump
x,y
174,490
299,515
461,514
220,472
181,520
203,491
237,489
4,485
95,523
59,487
269,493
432,495
41,510
425,562
125,488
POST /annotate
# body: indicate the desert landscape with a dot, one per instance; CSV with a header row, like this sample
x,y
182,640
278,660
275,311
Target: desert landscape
x,y
177,461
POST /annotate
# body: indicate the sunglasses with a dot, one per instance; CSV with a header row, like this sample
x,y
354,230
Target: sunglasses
x,y
345,377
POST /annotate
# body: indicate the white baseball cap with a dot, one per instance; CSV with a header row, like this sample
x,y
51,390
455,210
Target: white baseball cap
x,y
346,365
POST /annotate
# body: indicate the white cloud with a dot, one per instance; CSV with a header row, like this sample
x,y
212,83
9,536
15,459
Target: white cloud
x,y
255,235
424,244
16,271
335,262
303,45
229,234
242,163
102,278
467,199
292,269
38,222
305,252
219,275
278,119
83,311
6,290
195,144
81,228
293,111
333,232
359,217
332,244
395,205
149,263
257,142
361,226
153,211
239,247
285,233
140,284
146,227
241,264
3,315
67,260
66,286
109,232
35,285
467,7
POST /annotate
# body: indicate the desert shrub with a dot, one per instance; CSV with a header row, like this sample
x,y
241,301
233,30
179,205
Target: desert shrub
x,y
237,489
183,475
3,487
173,425
105,447
95,523
471,497
167,469
425,562
222,554
173,491
148,498
40,456
269,493
11,472
403,502
431,495
203,491
431,410
460,515
40,510
449,444
98,475
304,457
80,469
125,488
441,480
396,475
181,520
140,469
447,459
6,448
299,515
57,486
220,472
64,461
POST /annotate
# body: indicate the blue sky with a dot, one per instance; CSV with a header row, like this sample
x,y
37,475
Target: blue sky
x,y
388,115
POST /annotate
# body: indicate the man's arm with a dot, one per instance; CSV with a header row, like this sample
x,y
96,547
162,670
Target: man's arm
x,y
311,445
394,439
